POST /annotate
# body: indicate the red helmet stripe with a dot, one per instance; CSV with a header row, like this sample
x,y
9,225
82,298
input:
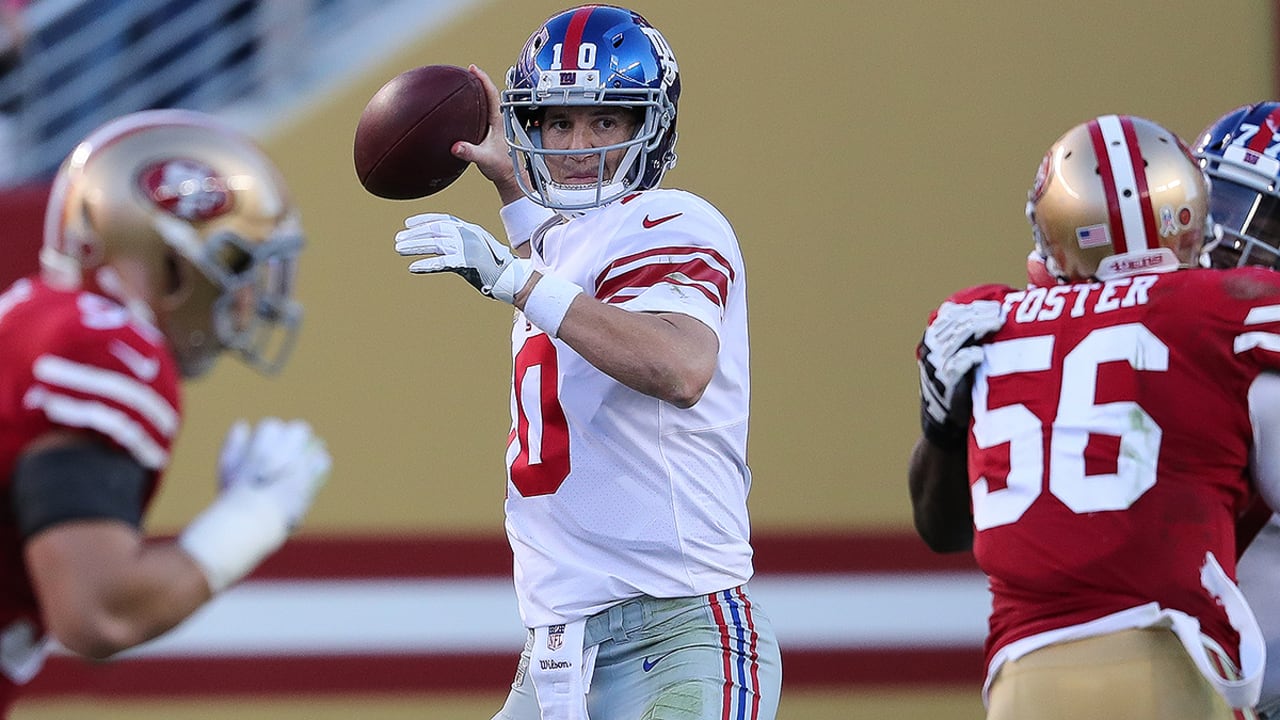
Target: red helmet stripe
x,y
1140,179
1114,220
573,38
1261,140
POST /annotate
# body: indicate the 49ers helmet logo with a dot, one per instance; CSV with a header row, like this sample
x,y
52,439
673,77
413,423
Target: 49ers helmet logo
x,y
186,188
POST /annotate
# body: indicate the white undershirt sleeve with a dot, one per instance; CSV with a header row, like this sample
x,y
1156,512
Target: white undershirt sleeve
x,y
1264,414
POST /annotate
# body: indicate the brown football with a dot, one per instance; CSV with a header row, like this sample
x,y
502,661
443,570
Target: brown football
x,y
406,131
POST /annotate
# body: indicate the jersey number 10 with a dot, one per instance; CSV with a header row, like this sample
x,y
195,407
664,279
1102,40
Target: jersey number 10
x,y
540,438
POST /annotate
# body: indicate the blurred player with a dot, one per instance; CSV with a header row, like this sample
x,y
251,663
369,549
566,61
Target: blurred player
x,y
1238,151
169,239
1110,443
627,484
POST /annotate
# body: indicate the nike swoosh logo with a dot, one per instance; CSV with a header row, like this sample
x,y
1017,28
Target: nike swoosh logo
x,y
654,223
649,664
146,368
497,260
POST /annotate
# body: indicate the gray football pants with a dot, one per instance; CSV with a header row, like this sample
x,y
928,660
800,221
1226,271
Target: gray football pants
x,y
697,658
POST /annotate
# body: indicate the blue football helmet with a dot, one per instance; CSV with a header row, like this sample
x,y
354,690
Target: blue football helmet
x,y
593,55
1239,152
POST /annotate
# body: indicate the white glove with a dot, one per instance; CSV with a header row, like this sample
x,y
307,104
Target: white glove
x,y
466,249
947,355
268,477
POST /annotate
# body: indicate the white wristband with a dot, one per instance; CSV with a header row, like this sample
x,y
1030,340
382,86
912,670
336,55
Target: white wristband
x,y
520,218
235,533
548,303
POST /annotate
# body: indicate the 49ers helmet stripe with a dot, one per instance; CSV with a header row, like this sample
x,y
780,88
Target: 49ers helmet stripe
x,y
1125,182
1107,171
1146,215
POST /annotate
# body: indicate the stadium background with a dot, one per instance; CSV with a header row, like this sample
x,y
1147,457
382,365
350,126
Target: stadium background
x,y
873,157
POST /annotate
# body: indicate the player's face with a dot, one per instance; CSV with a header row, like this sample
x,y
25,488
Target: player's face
x,y
585,128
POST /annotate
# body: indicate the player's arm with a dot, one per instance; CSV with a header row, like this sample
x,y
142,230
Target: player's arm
x,y
1264,415
938,475
938,478
669,356
491,155
101,587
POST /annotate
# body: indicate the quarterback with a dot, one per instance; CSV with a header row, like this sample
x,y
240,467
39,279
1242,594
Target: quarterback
x,y
1097,452
169,239
627,478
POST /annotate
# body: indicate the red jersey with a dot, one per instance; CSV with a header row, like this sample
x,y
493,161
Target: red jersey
x,y
1110,446
76,361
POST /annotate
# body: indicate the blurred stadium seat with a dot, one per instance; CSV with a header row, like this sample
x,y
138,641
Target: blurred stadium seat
x,y
86,61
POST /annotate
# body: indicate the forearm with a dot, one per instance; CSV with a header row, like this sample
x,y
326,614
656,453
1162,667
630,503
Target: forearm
x,y
939,484
668,356
105,589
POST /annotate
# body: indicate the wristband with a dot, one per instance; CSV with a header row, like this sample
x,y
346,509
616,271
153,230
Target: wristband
x,y
520,218
235,533
548,303
946,435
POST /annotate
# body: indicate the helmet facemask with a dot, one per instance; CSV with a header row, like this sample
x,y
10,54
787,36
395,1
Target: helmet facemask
x,y
1238,151
247,289
1248,227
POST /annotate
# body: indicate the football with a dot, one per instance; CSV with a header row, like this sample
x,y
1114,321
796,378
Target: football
x,y
405,133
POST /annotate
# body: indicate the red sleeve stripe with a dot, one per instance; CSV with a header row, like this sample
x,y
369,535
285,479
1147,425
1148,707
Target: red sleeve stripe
x,y
695,274
696,267
110,421
116,388
670,253
1268,341
1262,314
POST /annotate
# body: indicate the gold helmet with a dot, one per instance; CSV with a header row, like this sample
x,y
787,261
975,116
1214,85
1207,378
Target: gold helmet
x,y
188,203
1115,196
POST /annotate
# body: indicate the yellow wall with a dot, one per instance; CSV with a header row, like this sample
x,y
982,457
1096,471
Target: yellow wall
x,y
873,157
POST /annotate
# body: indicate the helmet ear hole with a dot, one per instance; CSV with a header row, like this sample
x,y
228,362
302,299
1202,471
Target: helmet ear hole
x,y
178,283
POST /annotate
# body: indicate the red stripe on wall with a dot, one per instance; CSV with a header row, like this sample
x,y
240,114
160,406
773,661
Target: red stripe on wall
x,y
451,673
333,557
426,556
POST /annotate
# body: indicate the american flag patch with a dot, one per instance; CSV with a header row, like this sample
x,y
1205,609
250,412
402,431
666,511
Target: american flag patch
x,y
1093,236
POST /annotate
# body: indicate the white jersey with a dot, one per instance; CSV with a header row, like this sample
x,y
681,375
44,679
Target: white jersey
x,y
611,493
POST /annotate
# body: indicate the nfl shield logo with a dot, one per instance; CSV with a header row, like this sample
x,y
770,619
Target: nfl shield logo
x,y
555,637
